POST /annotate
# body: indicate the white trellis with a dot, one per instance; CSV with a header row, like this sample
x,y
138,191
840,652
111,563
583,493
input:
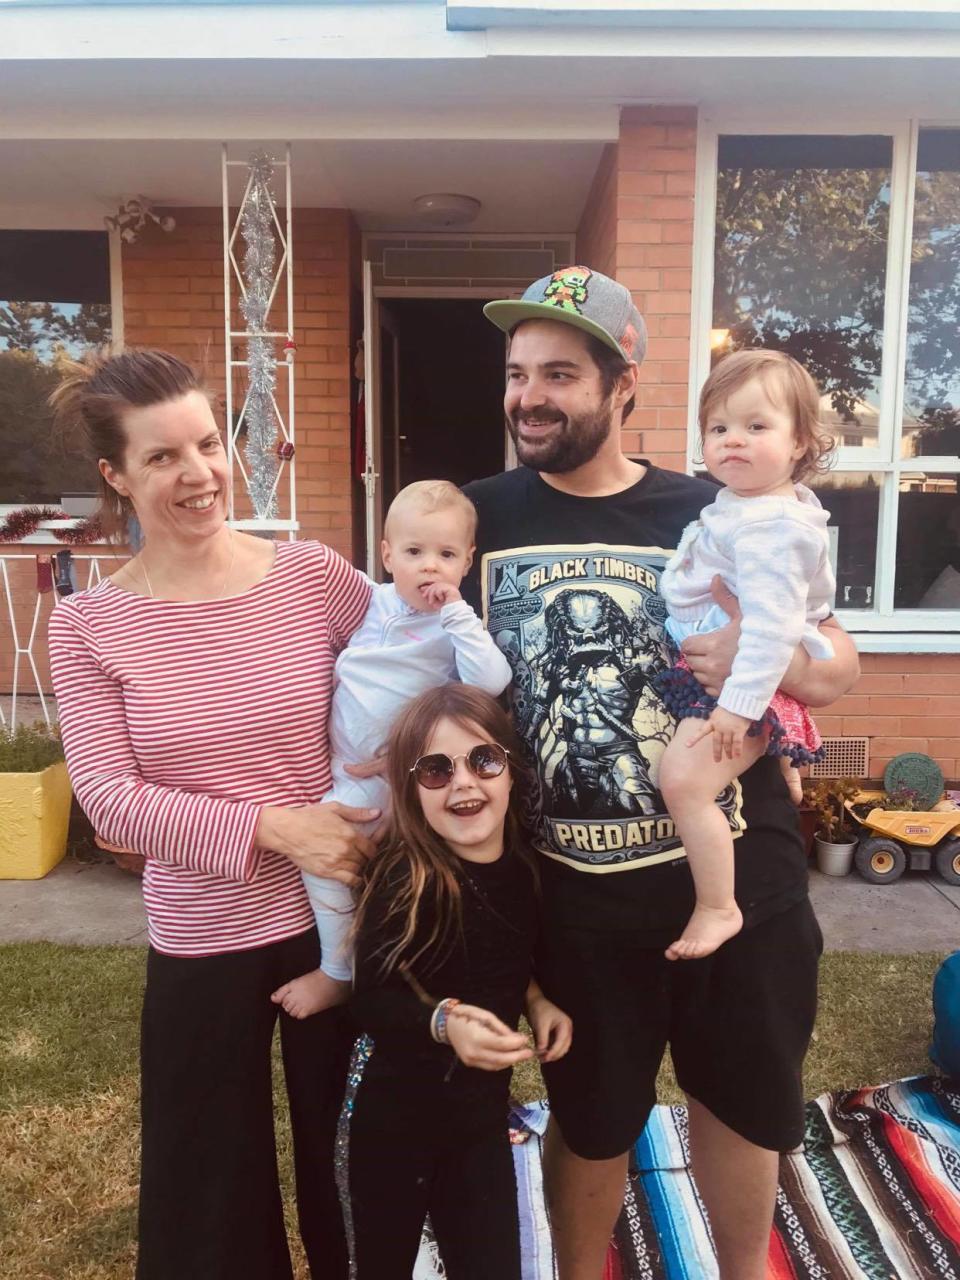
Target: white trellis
x,y
278,329
23,617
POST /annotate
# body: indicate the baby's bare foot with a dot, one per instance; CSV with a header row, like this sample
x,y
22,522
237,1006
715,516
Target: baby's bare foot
x,y
311,993
707,929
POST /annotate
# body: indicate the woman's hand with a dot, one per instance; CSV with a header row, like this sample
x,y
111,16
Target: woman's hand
x,y
552,1028
319,838
480,1039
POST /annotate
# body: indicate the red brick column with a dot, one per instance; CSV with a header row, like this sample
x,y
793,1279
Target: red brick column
x,y
637,225
656,169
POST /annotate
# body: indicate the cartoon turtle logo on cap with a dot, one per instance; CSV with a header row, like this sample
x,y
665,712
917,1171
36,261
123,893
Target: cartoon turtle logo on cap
x,y
568,288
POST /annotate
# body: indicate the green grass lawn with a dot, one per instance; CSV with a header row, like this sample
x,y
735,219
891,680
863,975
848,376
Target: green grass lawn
x,y
68,1089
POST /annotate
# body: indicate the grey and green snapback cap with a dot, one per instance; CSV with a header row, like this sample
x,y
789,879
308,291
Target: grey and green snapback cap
x,y
584,298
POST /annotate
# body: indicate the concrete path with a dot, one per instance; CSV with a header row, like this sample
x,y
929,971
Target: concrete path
x,y
78,902
89,903
918,913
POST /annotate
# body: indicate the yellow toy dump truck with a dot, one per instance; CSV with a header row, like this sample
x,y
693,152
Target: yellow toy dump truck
x,y
894,839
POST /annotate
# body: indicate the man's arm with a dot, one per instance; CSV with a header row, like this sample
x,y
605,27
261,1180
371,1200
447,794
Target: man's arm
x,y
815,682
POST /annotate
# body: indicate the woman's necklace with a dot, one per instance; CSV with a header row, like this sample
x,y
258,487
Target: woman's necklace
x,y
141,565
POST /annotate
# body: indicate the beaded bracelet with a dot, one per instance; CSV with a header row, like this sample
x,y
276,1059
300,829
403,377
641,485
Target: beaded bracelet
x,y
438,1019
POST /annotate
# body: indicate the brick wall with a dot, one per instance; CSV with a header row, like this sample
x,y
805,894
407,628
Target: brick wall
x,y
173,298
637,225
902,702
657,162
597,233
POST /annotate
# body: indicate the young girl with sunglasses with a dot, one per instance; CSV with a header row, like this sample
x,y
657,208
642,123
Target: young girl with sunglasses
x,y
444,933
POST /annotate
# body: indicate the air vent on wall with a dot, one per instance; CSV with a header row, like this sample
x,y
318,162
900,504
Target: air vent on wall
x,y
845,758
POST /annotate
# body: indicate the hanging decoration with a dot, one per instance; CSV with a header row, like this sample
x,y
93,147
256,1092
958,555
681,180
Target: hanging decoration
x,y
258,270
20,524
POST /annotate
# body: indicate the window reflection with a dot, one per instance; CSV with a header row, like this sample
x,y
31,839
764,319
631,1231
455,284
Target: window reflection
x,y
853,500
931,411
928,542
54,305
800,263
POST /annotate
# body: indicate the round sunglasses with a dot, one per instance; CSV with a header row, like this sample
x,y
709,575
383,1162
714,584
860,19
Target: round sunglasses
x,y
435,771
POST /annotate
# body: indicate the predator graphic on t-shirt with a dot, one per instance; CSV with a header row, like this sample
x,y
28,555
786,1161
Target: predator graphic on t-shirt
x,y
583,631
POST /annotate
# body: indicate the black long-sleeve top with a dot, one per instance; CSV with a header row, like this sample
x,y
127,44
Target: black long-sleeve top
x,y
488,965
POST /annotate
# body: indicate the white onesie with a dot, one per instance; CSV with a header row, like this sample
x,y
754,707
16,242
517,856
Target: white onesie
x,y
773,554
395,654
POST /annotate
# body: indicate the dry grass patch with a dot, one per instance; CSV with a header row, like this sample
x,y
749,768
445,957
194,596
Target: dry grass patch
x,y
68,1091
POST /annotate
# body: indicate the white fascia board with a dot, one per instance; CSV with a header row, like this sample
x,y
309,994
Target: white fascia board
x,y
236,31
471,123
467,15
606,42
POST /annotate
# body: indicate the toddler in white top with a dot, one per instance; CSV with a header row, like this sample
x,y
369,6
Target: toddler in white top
x,y
417,633
766,537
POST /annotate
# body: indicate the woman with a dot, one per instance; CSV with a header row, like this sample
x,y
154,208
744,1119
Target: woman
x,y
193,687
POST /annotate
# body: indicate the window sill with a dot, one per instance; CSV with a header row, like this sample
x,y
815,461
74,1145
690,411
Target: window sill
x,y
906,641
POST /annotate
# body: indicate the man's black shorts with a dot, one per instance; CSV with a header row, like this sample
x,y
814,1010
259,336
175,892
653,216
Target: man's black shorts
x,y
738,1024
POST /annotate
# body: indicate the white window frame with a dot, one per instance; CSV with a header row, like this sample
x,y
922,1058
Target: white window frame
x,y
882,629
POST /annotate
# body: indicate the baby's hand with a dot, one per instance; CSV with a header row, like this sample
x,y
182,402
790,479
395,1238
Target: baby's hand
x,y
437,594
729,731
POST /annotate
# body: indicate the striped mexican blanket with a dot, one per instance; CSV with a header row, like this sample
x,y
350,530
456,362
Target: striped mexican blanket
x,y
873,1195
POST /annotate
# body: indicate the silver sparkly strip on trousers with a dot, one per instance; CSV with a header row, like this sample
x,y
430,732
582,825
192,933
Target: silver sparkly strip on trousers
x,y
362,1051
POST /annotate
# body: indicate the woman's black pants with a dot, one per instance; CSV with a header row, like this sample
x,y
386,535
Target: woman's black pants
x,y
210,1206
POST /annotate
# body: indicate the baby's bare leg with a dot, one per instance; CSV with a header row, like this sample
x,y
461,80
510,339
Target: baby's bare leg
x,y
791,776
690,780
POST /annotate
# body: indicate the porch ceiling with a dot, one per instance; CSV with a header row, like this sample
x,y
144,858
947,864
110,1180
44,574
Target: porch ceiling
x,y
524,186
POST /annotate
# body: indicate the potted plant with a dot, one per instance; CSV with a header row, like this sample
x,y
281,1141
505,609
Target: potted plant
x,y
34,802
835,837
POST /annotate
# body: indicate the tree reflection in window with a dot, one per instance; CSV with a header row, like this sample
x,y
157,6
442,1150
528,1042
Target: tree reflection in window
x,y
931,417
800,261
54,305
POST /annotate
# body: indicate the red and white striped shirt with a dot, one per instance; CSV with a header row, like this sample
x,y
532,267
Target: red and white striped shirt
x,y
182,719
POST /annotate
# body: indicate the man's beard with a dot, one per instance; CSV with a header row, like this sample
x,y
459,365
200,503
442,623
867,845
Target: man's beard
x,y
571,444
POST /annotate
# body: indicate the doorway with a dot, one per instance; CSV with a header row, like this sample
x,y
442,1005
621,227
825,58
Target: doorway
x,y
438,372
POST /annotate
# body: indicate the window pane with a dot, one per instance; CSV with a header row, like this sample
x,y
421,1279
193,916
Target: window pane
x,y
928,542
40,328
931,408
800,263
853,500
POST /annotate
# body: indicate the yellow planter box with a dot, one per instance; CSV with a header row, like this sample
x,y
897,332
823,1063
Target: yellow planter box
x,y
34,816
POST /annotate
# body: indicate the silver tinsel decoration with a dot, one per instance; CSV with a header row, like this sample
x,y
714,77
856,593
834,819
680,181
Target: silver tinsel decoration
x,y
258,268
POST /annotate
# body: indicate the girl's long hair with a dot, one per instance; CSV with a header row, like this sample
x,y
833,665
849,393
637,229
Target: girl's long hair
x,y
418,865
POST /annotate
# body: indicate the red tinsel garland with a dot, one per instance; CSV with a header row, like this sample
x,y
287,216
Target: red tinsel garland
x,y
20,524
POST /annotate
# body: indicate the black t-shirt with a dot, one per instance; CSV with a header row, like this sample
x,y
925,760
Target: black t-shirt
x,y
488,965
569,589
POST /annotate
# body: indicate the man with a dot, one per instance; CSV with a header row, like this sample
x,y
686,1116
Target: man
x,y
570,549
